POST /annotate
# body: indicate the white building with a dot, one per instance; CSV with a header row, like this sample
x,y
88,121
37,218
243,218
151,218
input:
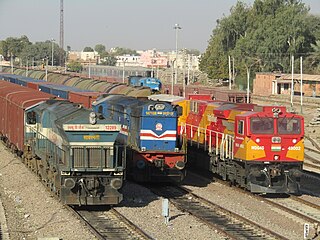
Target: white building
x,y
128,60
85,57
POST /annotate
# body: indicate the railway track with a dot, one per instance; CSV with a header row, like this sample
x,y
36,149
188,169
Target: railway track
x,y
110,224
312,154
311,183
308,211
229,223
314,143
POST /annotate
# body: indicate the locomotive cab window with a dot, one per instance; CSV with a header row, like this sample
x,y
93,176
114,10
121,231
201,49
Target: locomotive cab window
x,y
194,106
100,109
241,127
289,125
31,118
261,125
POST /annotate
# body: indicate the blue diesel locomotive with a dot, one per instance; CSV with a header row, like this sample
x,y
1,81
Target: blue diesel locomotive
x,y
74,153
149,130
138,81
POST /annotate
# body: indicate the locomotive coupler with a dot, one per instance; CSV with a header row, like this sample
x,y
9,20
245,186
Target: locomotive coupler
x,y
274,172
268,177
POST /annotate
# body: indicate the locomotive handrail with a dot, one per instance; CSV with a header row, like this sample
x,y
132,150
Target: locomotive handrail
x,y
226,147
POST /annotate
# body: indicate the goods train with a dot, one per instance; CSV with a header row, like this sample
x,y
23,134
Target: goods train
x,y
149,130
83,83
259,148
109,85
77,155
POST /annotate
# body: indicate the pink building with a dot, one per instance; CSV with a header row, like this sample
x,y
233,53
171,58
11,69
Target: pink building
x,y
153,59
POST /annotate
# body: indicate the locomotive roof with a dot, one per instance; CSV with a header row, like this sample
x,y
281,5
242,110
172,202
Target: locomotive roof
x,y
165,98
122,100
125,101
64,112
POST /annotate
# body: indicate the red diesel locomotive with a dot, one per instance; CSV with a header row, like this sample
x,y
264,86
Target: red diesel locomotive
x,y
259,148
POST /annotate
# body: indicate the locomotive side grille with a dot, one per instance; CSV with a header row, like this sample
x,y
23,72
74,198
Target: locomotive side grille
x,y
78,157
92,157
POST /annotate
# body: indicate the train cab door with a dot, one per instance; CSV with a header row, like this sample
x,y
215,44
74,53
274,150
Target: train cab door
x,y
240,133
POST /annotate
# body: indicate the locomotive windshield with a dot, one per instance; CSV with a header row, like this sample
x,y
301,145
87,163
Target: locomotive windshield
x,y
261,125
264,125
289,125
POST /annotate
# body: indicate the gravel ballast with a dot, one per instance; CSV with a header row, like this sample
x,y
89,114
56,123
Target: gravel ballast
x,y
32,212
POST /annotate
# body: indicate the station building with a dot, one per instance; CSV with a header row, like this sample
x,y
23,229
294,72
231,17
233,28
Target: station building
x,y
266,84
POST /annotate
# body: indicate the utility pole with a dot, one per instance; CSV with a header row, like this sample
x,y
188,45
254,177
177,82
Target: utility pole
x,y
27,68
292,70
61,32
46,68
177,28
301,84
11,62
230,76
248,84
233,74
172,66
52,40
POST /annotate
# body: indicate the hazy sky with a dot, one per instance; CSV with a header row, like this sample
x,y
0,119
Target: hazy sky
x,y
135,24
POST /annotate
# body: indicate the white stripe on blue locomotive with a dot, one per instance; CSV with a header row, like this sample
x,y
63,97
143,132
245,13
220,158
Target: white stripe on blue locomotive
x,y
169,135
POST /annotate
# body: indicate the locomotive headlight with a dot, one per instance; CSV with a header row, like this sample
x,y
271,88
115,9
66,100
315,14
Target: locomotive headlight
x,y
141,164
294,140
159,106
258,140
69,183
116,183
180,165
93,118
276,157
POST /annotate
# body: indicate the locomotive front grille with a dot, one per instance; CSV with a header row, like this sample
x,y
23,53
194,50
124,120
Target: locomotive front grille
x,y
92,157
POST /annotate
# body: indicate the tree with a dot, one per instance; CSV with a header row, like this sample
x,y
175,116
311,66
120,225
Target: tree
x,y
100,48
110,61
12,47
223,39
194,52
74,66
88,49
124,51
261,37
26,51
